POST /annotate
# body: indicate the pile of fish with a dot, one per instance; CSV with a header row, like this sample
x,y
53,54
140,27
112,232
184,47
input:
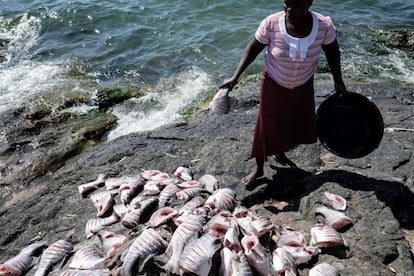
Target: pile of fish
x,y
197,225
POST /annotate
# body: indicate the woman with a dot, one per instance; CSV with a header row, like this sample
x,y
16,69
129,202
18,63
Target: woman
x,y
294,39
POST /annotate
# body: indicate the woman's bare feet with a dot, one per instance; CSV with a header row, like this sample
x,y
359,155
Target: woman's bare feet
x,y
282,159
251,177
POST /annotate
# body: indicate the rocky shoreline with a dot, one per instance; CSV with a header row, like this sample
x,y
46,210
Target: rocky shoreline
x,y
40,202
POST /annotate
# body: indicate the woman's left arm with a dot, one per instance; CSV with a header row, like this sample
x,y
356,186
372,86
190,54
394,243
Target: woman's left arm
x,y
333,57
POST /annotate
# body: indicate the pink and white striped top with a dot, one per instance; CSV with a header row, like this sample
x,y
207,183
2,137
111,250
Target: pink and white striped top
x,y
291,61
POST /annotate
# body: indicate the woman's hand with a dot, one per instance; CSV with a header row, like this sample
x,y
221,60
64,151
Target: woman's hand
x,y
228,83
340,88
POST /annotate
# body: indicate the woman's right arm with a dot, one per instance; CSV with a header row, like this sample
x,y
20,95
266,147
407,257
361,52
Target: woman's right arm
x,y
253,48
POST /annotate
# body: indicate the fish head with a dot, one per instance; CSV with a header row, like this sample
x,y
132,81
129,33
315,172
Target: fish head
x,y
8,270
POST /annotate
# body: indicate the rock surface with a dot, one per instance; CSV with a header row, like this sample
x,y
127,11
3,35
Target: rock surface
x,y
379,187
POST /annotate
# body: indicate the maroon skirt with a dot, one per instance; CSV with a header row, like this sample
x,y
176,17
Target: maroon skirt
x,y
286,118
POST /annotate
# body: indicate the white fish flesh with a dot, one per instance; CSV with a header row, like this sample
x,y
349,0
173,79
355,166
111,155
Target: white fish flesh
x,y
190,184
221,199
87,257
335,201
52,255
290,237
145,246
334,218
197,255
255,255
184,173
251,223
78,272
93,225
283,262
93,185
135,212
154,175
304,254
231,239
221,102
323,269
187,229
233,263
169,192
325,236
162,216
103,202
111,242
209,182
20,263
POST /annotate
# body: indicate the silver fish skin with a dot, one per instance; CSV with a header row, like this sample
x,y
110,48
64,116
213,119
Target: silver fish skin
x,y
221,199
219,224
334,218
93,185
93,225
110,242
167,194
52,255
290,237
189,193
335,201
256,256
251,223
151,188
79,272
133,217
129,189
197,255
209,182
323,269
20,263
233,263
283,262
302,255
103,202
87,258
192,204
184,173
116,182
325,236
184,232
221,102
145,246
162,216
120,210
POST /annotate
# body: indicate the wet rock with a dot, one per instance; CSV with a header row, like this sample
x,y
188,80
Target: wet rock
x,y
378,187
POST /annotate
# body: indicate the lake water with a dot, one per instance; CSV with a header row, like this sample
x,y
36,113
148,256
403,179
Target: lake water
x,y
177,51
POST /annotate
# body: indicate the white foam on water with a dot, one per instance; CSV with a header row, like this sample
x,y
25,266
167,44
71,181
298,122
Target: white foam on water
x,y
402,67
159,108
19,75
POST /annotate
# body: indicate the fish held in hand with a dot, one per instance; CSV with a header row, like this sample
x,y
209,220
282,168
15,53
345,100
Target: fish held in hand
x,y
52,255
221,102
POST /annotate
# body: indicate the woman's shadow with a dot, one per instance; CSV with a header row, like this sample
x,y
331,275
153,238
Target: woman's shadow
x,y
293,184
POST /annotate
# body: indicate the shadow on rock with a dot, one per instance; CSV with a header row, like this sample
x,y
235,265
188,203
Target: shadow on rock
x,y
293,184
